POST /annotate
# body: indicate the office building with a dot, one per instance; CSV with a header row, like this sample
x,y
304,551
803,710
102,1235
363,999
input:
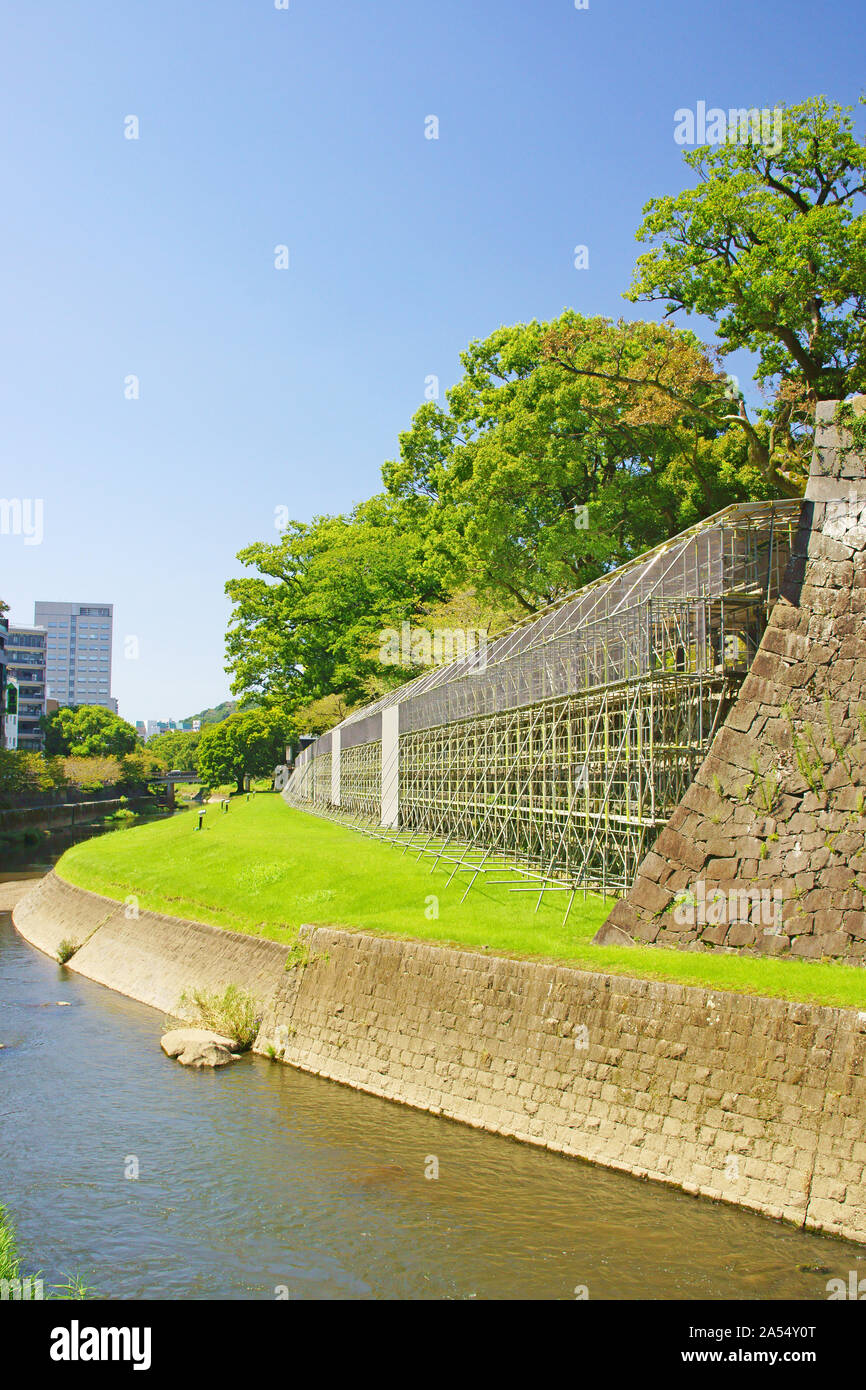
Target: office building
x,y
9,721
78,652
25,664
4,632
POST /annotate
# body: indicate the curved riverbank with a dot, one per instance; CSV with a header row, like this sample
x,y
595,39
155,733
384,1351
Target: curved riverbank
x,y
752,1101
144,955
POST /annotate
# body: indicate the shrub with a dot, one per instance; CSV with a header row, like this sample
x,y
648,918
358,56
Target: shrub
x,y
22,772
91,774
136,769
234,1013
9,1264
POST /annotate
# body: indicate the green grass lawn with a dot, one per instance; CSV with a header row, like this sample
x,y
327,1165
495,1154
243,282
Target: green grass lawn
x,y
266,868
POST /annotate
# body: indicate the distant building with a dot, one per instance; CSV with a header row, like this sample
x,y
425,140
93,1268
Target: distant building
x,y
153,727
9,722
4,632
78,652
25,661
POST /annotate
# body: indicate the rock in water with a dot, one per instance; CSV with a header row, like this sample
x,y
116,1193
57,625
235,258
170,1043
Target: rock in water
x,y
198,1047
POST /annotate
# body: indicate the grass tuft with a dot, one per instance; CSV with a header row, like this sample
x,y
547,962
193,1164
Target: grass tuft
x,y
234,1013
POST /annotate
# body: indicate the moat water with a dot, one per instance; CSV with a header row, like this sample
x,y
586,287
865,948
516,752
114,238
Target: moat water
x,y
258,1181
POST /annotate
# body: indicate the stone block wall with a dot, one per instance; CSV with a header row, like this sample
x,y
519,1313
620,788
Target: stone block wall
x,y
148,956
745,1100
767,850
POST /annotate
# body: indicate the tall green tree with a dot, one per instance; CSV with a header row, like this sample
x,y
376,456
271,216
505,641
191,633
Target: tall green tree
x,y
253,743
307,622
177,748
565,449
771,247
88,731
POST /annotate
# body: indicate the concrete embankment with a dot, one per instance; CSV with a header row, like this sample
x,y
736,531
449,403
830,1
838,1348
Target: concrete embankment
x,y
146,956
64,815
752,1101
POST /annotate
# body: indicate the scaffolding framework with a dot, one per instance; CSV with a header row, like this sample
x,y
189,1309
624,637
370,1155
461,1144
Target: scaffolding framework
x,y
562,753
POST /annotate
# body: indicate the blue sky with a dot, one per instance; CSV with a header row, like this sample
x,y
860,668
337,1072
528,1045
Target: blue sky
x,y
305,127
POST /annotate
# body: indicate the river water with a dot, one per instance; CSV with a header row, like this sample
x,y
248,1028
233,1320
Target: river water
x,y
258,1181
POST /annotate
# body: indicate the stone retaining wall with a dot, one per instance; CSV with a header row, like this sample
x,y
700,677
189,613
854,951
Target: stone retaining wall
x,y
62,815
149,957
746,1100
767,849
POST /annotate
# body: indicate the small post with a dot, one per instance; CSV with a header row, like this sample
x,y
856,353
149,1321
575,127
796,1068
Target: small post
x,y
201,815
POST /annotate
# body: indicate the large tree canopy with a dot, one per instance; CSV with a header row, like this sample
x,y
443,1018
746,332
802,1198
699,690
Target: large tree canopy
x,y
88,731
252,743
177,748
567,448
771,246
307,624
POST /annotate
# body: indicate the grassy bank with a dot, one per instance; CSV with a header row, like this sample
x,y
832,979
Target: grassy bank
x,y
31,1285
9,1262
265,868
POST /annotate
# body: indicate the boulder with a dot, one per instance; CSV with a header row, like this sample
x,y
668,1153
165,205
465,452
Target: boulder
x,y
198,1047
610,935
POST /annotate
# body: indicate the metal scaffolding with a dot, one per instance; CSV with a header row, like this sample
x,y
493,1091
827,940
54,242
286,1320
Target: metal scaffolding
x,y
561,752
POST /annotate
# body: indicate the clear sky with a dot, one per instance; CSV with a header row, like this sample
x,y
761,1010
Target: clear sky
x,y
305,127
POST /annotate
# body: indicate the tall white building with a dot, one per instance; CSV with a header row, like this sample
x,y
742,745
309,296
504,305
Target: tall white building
x,y
25,664
78,652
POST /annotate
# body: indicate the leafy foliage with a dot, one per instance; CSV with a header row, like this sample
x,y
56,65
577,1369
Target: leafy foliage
x,y
251,743
569,447
771,248
87,731
320,715
32,774
177,749
307,624
628,420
